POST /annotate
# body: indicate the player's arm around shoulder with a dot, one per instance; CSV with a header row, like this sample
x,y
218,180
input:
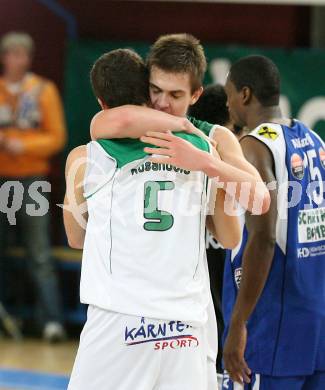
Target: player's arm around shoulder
x,y
231,152
131,121
111,123
75,212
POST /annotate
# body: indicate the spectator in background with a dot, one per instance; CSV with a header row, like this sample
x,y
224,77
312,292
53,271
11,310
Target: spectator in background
x,y
32,129
212,107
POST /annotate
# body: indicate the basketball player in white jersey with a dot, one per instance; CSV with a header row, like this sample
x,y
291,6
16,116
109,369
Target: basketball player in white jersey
x,y
176,64
143,271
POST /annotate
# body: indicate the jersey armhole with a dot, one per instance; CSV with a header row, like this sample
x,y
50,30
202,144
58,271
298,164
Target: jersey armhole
x,y
88,157
212,131
106,177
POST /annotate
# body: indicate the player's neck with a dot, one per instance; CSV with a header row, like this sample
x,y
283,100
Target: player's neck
x,y
264,115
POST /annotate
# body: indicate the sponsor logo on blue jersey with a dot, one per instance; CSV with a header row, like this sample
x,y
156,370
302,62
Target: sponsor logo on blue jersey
x,y
297,166
299,143
268,133
238,273
321,152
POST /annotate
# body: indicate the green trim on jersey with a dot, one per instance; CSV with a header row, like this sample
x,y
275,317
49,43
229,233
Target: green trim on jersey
x,y
206,127
126,150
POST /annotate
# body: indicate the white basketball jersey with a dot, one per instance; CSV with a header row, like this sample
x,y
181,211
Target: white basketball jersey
x,y
144,250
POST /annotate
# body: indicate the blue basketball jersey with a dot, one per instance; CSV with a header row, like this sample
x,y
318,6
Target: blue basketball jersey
x,y
286,331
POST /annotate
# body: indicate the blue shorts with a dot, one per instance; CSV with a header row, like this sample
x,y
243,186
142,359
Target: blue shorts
x,y
265,382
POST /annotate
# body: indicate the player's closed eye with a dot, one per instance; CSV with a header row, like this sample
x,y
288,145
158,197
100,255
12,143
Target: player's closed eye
x,y
176,96
155,90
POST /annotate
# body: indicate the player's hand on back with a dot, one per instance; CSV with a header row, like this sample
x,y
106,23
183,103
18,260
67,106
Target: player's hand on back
x,y
176,151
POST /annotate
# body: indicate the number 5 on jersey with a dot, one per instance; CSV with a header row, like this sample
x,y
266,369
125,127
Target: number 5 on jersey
x,y
160,220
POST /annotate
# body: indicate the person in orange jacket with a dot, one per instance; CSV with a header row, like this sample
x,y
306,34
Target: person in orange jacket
x,y
32,130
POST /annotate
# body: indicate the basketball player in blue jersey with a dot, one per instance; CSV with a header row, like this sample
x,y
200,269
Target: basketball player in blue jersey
x,y
274,286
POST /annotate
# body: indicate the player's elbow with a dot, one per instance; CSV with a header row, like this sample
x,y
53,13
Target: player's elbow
x,y
229,244
75,235
75,242
231,241
230,237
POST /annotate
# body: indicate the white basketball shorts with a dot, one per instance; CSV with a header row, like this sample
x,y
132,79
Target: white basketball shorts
x,y
122,352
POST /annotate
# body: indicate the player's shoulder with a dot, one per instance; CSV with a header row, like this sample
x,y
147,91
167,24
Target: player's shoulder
x,y
264,141
226,141
267,131
76,153
76,161
220,132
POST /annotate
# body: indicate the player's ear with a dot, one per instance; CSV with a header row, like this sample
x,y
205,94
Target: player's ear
x,y
102,104
247,94
196,95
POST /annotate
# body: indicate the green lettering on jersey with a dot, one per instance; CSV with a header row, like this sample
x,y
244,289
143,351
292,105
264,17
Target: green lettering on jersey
x,y
160,220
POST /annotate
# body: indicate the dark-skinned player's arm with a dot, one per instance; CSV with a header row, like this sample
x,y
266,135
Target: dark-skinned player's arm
x,y
257,261
75,212
246,188
134,121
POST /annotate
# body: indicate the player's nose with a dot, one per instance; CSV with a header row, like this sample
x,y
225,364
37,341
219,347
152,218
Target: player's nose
x,y
162,102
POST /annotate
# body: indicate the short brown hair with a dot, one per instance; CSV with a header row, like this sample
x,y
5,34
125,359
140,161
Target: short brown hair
x,y
179,53
120,77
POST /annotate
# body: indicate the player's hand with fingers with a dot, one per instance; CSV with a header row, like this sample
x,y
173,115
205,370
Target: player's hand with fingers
x,y
176,151
233,353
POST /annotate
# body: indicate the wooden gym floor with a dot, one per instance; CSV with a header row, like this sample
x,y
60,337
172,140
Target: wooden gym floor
x,y
35,365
